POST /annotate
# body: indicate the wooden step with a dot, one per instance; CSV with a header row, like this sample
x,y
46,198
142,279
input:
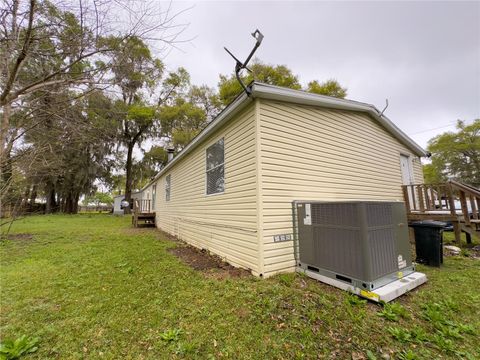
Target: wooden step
x,y
143,219
145,216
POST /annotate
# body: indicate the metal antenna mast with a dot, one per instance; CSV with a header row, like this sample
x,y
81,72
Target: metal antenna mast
x,y
239,66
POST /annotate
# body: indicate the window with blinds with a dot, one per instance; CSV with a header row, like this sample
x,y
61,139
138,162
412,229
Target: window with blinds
x,y
215,168
167,187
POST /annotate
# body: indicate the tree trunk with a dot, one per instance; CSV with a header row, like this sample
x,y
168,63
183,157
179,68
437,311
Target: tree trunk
x,y
24,207
7,109
61,203
75,203
51,203
67,207
33,197
5,170
129,178
71,203
5,163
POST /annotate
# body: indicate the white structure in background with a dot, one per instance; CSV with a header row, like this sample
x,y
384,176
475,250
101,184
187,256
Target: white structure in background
x,y
118,207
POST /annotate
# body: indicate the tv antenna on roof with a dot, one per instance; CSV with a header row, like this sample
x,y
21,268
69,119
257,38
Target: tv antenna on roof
x,y
239,66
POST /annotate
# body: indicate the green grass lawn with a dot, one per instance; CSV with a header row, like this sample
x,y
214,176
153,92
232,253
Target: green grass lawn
x,y
90,286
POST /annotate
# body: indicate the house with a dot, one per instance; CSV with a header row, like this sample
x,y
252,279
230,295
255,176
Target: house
x,y
231,189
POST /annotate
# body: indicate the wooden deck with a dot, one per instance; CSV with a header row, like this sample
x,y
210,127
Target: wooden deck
x,y
453,202
143,214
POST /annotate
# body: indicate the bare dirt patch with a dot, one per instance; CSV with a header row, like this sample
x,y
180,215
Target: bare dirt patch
x,y
167,235
212,265
475,252
20,237
199,259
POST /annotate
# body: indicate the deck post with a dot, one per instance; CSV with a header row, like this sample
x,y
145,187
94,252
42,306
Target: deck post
x,y
458,232
456,225
427,198
463,202
468,237
414,200
420,198
441,193
474,207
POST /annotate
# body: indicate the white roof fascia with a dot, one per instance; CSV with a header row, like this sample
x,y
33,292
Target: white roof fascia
x,y
301,97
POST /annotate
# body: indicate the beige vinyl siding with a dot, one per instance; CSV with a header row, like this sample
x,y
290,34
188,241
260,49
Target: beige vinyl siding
x,y
417,169
312,153
225,223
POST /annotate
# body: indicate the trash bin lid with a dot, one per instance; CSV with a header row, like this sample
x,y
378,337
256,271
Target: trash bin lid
x,y
428,223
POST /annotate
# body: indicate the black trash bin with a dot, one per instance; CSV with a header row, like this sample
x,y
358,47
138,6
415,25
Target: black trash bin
x,y
429,241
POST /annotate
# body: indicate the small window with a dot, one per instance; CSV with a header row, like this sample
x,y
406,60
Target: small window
x,y
167,188
215,168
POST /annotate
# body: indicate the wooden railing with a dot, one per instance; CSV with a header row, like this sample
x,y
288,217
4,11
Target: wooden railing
x,y
143,214
142,206
427,197
452,196
452,201
469,200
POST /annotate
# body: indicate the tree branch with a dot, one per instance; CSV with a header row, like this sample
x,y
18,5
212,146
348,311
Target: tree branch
x,y
44,82
21,57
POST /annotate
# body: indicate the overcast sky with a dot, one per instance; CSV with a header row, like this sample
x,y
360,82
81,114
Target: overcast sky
x,y
423,56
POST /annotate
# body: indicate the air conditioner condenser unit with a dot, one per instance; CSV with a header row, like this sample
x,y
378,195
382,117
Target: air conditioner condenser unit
x,y
358,246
